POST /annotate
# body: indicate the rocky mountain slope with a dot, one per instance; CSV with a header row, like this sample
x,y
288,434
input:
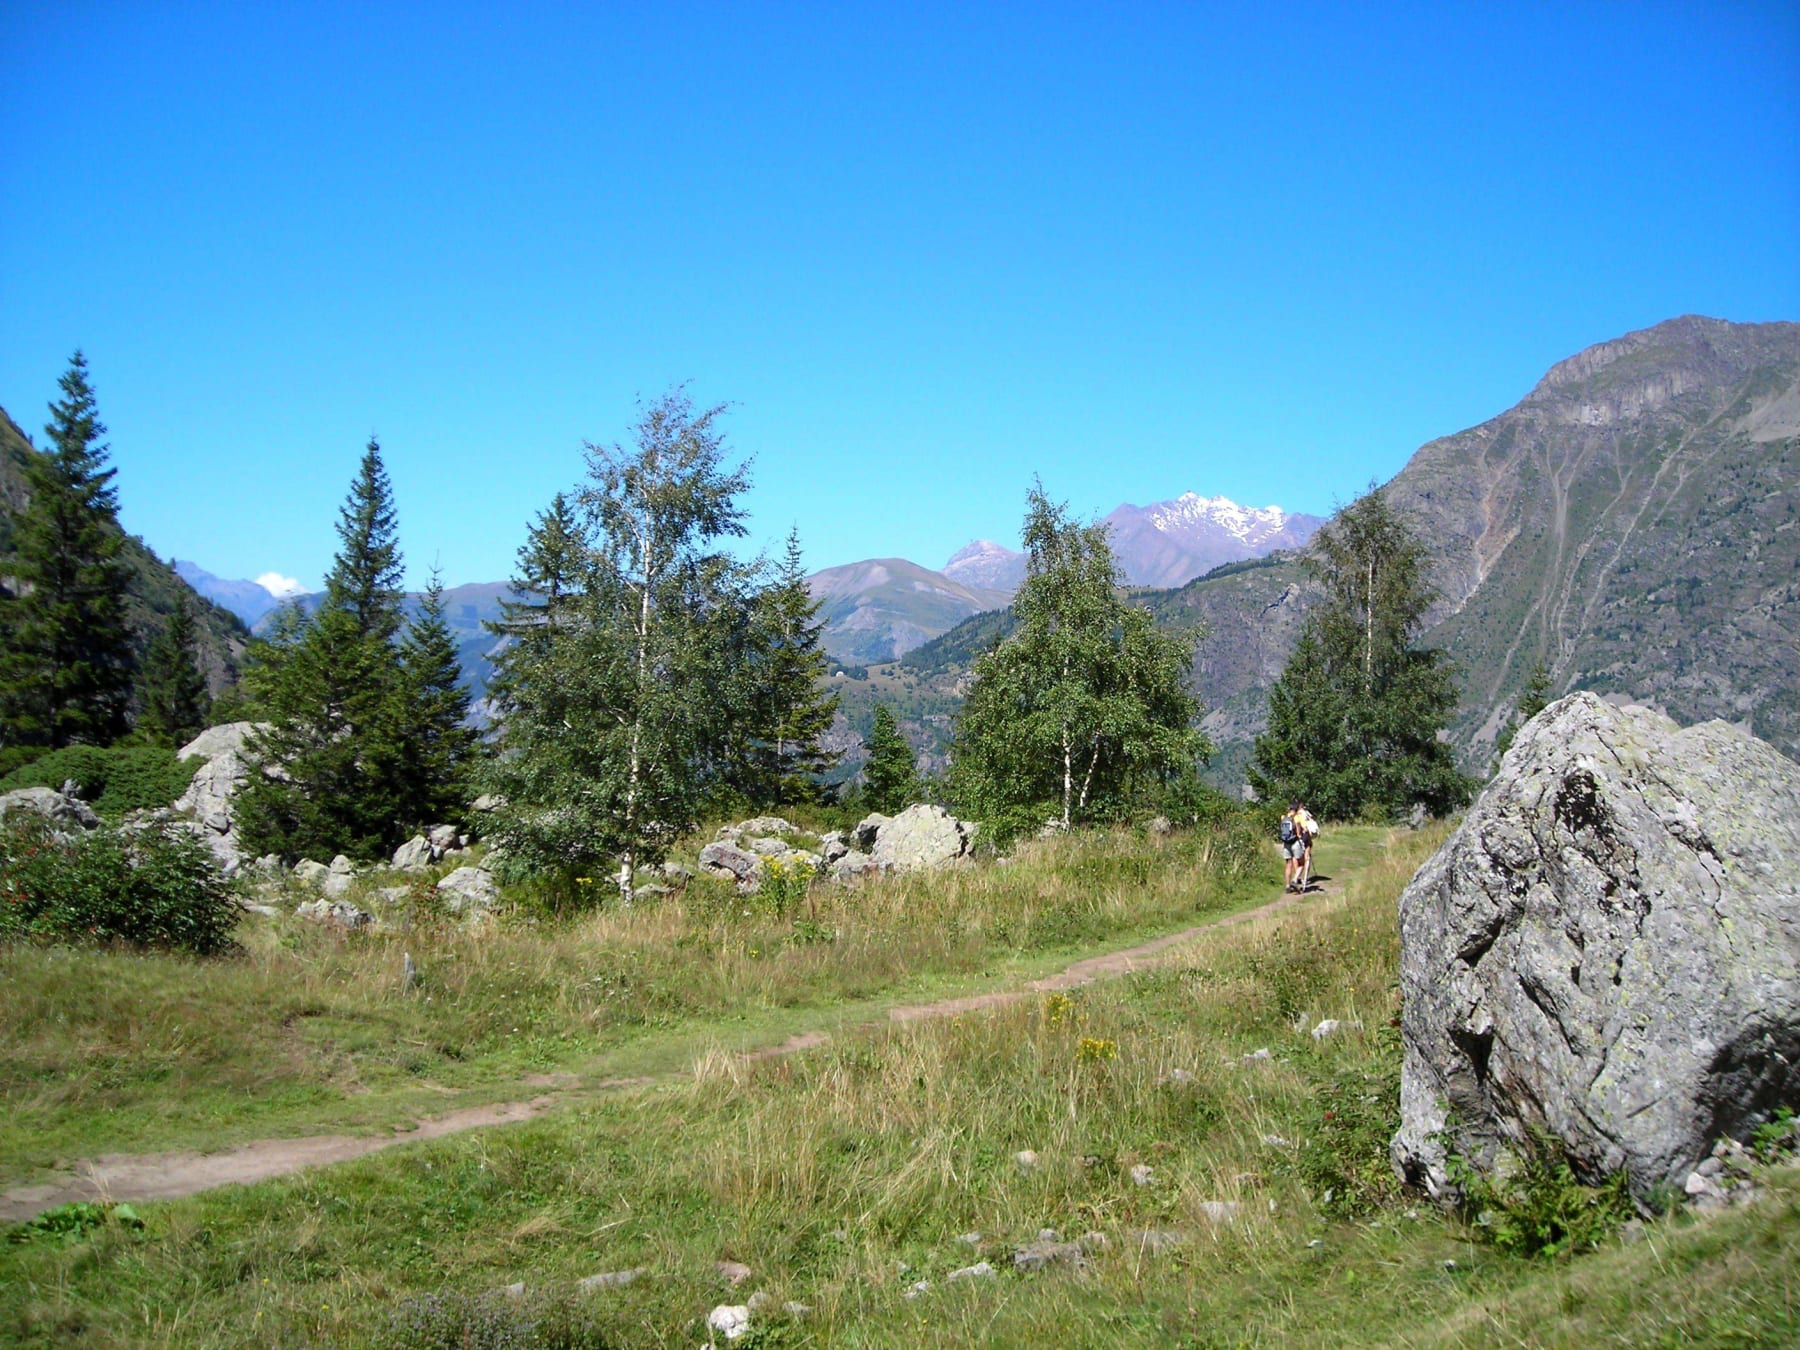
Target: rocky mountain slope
x,y
883,608
1633,523
154,584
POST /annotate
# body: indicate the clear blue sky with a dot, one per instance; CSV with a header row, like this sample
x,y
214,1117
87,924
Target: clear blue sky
x,y
927,252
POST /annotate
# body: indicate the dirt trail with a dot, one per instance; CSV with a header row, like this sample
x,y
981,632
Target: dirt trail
x,y
117,1177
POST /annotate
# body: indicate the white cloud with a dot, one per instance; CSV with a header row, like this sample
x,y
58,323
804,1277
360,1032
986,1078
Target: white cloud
x,y
279,586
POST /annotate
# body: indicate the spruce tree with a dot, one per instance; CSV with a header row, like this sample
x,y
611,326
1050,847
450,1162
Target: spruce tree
x,y
65,676
1083,711
1355,716
433,709
1533,699
617,724
787,707
173,701
890,775
331,689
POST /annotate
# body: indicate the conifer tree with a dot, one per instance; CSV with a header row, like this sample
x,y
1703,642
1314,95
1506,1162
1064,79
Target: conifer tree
x,y
1083,711
331,689
65,675
890,774
1355,716
617,725
1533,699
788,709
433,708
171,690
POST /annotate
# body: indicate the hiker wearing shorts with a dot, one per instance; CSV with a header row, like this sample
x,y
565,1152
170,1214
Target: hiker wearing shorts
x,y
1308,830
1293,843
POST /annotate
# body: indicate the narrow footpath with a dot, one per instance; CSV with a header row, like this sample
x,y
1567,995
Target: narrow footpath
x,y
116,1177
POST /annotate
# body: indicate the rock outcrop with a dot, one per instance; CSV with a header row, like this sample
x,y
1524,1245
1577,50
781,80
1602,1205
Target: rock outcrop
x,y
208,799
1607,951
64,811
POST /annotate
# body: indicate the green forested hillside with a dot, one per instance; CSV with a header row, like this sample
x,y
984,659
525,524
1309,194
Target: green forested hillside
x,y
154,585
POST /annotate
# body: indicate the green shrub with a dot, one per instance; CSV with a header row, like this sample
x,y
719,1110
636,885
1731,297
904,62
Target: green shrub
x,y
1544,1209
124,778
157,887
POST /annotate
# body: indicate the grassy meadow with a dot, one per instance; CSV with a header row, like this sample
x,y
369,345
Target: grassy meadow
x,y
1220,1171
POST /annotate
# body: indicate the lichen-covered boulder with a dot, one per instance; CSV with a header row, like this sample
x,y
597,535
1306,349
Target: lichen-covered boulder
x,y
468,890
1606,951
921,837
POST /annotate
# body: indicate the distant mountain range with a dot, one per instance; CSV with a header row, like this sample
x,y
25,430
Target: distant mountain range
x,y
1633,523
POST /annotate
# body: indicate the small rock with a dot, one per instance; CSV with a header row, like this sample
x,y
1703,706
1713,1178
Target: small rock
x,y
724,860
1160,825
311,873
1046,1255
736,1272
340,912
969,1239
1697,1184
795,1308
611,1279
1276,1141
730,1320
1325,1028
1258,1055
1155,1241
1143,1174
443,838
1026,1160
767,848
767,825
920,1289
1048,1235
1177,1076
832,846
1710,1167
468,889
414,855
981,1270
1220,1211
487,802
1094,1242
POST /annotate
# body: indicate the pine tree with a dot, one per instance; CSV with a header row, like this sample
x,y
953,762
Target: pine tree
x,y
65,676
1083,711
433,708
788,709
890,775
616,725
171,690
1355,716
332,692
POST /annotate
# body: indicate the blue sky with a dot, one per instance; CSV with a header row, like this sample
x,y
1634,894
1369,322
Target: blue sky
x,y
926,252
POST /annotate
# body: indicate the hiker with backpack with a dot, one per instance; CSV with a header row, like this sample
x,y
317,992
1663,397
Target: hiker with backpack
x,y
1293,843
1308,830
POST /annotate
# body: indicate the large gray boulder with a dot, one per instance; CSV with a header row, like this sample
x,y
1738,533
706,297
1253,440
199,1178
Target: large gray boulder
x,y
208,799
921,837
1607,951
468,890
65,812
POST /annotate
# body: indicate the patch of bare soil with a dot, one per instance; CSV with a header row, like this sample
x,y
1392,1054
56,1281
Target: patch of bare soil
x,y
167,1176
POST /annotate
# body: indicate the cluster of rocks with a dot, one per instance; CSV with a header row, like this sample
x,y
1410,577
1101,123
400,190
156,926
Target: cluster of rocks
x,y
468,892
1603,955
918,839
66,812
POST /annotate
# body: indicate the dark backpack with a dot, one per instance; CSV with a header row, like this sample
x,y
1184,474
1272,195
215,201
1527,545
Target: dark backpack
x,y
1287,829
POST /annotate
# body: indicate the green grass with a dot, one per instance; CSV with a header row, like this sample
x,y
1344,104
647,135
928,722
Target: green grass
x,y
307,1030
844,1175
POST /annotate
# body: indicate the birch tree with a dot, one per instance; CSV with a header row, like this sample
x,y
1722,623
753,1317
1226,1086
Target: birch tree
x,y
615,729
1083,711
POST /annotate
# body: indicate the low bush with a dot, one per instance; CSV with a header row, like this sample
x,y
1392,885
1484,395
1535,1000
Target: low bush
x,y
157,887
112,781
1544,1209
